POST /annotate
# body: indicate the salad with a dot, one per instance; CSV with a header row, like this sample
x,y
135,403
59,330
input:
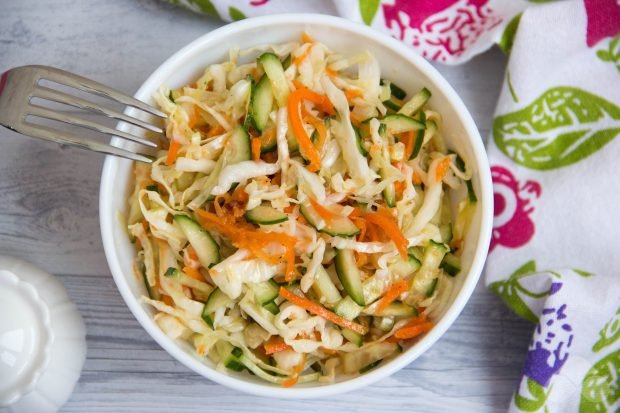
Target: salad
x,y
301,224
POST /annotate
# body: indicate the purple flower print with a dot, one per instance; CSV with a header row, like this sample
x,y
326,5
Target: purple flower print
x,y
549,348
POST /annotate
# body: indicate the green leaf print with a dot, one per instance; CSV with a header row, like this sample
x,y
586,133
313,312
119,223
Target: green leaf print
x,y
511,289
206,7
368,9
538,400
583,273
609,334
612,54
561,127
508,36
600,389
236,14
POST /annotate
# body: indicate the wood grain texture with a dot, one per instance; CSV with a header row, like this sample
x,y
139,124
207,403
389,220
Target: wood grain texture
x,y
49,216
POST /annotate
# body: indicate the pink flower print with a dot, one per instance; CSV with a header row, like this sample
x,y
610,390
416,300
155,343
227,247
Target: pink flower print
x,y
258,2
512,225
603,20
439,29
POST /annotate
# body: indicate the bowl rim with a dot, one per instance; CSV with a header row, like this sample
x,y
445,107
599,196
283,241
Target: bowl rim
x,y
485,199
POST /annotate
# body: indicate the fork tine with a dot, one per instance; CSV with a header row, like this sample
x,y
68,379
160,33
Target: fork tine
x,y
87,85
60,97
64,138
74,120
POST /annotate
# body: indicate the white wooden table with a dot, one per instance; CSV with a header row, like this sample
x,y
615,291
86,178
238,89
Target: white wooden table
x,y
49,216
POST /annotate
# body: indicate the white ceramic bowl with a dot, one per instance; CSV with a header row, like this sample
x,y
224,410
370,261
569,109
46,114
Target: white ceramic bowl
x,y
398,63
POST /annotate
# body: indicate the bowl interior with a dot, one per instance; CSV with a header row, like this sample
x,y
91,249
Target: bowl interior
x,y
398,64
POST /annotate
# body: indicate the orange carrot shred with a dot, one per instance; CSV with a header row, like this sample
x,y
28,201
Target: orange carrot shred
x,y
305,38
173,152
413,331
330,71
194,273
408,139
391,294
442,168
167,300
323,212
389,225
255,149
308,149
300,59
275,344
352,94
215,130
321,311
417,180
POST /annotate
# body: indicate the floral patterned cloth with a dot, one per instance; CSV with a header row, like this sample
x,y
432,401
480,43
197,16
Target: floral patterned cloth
x,y
554,154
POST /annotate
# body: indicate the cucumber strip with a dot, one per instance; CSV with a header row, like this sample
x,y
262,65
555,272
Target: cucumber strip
x,y
216,300
268,144
152,290
395,90
451,264
389,192
347,308
416,102
265,215
419,139
349,275
342,226
374,288
432,288
383,323
392,104
354,361
265,292
359,142
353,337
324,287
433,255
399,123
203,243
238,148
261,103
287,62
446,233
229,355
275,72
404,268
398,309
188,281
470,187
272,307
370,366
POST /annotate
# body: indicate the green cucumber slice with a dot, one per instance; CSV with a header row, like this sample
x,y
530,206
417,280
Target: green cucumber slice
x,y
399,123
349,275
216,300
265,215
416,102
341,226
347,308
262,103
203,243
265,292
275,72
451,264
324,287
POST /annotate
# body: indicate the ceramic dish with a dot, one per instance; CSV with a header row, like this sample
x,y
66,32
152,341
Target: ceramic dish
x,y
398,63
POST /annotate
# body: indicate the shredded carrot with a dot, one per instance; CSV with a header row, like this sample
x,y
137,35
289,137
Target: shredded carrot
x,y
194,117
294,101
389,225
330,71
255,149
413,331
215,130
194,273
275,344
391,294
239,195
361,224
245,236
218,207
300,59
355,119
305,38
361,258
352,94
417,180
442,169
173,152
192,253
167,300
323,212
321,311
408,139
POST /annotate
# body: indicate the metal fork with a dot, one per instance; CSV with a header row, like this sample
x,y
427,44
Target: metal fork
x,y
20,85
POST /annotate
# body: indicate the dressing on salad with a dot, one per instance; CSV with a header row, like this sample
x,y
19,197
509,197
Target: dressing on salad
x,y
300,224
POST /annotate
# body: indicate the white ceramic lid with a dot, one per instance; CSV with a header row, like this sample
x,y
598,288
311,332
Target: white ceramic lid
x,y
42,339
